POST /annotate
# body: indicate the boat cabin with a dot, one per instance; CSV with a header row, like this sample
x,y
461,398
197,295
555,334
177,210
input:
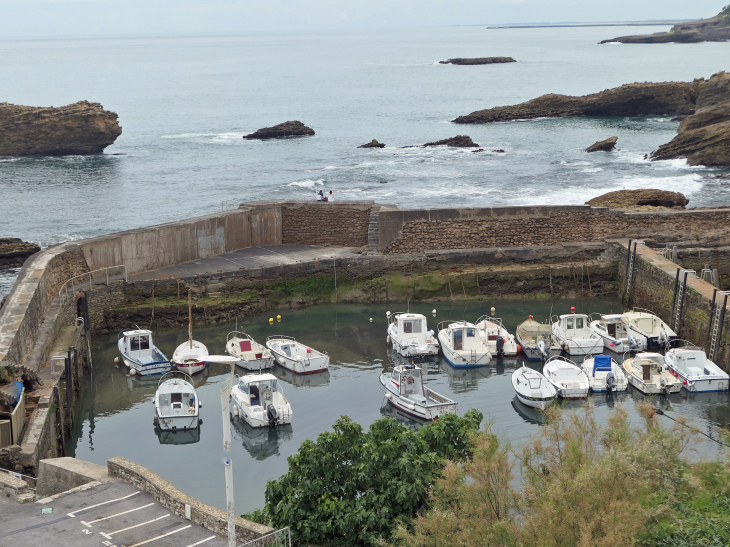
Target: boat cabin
x,y
137,345
411,327
647,365
176,397
692,361
464,337
613,325
259,388
575,326
409,381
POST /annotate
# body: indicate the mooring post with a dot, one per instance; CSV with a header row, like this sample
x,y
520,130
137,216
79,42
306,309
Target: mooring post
x,y
674,298
709,323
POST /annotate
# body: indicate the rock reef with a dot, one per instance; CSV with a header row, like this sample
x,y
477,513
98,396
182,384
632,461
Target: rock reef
x,y
373,144
603,146
715,29
14,251
79,128
287,129
477,61
460,141
627,199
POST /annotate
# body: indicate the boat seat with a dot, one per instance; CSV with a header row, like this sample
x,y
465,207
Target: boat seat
x,y
245,345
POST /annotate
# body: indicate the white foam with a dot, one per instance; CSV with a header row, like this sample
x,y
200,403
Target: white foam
x,y
575,163
187,135
8,160
593,170
308,183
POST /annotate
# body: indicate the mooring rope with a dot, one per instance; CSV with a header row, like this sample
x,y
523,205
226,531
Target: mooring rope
x,y
661,413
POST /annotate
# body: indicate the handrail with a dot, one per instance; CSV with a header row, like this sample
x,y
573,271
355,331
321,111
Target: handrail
x,y
175,374
280,337
236,332
496,320
89,275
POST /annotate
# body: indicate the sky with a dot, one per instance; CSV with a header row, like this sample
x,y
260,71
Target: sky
x,y
41,18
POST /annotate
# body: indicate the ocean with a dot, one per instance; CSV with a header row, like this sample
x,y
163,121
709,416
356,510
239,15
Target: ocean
x,y
184,103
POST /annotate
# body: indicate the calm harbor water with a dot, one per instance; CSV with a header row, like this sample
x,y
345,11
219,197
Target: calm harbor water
x,y
114,416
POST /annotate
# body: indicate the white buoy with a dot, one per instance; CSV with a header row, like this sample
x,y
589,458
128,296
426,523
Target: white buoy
x,y
116,359
493,310
433,312
132,371
371,319
387,314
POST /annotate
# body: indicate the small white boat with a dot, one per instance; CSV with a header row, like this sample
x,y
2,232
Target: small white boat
x,y
636,330
248,352
404,390
536,340
295,356
697,373
567,378
140,354
461,346
176,402
492,333
190,357
574,335
605,374
409,334
648,373
532,388
259,401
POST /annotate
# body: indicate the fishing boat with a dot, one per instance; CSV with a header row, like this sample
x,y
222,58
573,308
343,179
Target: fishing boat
x,y
696,372
648,373
536,340
605,374
409,334
190,357
567,378
295,356
404,390
461,346
532,388
574,335
249,354
140,354
259,401
493,334
636,330
176,402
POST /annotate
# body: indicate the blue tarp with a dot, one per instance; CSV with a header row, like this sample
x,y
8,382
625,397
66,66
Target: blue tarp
x,y
601,362
15,389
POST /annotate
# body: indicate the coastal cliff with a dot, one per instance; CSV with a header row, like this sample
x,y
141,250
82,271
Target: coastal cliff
x,y
14,251
79,128
715,29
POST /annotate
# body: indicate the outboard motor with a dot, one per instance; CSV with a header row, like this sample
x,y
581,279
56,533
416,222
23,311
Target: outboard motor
x,y
542,347
665,387
610,382
663,338
500,346
633,343
272,415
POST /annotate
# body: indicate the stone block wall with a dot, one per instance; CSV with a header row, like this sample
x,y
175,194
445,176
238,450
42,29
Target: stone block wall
x,y
175,501
339,224
695,258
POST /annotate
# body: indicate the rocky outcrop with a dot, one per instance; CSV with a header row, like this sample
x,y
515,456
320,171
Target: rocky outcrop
x,y
460,141
79,128
715,29
667,98
14,251
478,61
373,144
603,146
704,137
627,199
287,129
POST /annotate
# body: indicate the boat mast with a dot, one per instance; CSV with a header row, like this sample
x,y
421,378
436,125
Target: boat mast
x,y
190,319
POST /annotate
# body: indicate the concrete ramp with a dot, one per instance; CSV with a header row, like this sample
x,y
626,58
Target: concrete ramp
x,y
61,474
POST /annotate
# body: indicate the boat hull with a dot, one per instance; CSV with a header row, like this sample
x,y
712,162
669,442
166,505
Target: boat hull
x,y
532,352
427,412
653,389
461,360
253,364
310,366
150,369
414,351
190,368
172,423
535,402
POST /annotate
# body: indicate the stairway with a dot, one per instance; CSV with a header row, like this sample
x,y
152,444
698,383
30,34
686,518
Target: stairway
x,y
374,231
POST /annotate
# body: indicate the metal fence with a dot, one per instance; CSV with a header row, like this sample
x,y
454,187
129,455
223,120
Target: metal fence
x,y
11,431
280,538
86,280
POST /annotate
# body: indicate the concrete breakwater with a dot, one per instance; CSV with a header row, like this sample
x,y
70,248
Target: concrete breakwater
x,y
382,254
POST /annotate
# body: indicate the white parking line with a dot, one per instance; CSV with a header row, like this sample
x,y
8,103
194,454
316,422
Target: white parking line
x,y
201,541
112,516
110,534
73,514
162,536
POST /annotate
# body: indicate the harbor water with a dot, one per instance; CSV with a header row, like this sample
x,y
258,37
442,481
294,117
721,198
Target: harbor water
x,y
115,411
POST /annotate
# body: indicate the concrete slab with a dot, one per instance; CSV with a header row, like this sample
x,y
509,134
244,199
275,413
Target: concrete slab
x,y
60,474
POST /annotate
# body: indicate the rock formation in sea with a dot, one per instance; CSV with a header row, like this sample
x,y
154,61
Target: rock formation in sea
x,y
603,146
287,129
477,61
14,251
460,141
625,199
373,144
704,137
78,128
715,29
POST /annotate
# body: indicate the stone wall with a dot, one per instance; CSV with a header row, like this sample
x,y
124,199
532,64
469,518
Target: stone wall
x,y
339,224
175,501
695,258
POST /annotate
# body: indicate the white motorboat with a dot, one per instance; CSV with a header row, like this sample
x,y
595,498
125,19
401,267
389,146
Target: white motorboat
x,y
574,335
697,373
176,402
409,334
493,334
605,374
404,390
567,378
259,401
532,388
636,330
295,356
248,352
461,346
190,357
140,354
536,340
648,373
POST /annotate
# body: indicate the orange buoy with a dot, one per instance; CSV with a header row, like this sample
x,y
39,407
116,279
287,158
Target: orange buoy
x,y
519,348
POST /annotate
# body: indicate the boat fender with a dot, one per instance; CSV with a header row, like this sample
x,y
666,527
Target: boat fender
x,y
132,371
410,407
116,360
388,395
272,414
387,339
235,410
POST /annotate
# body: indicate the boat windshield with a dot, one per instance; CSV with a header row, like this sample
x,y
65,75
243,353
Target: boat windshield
x,y
412,326
137,343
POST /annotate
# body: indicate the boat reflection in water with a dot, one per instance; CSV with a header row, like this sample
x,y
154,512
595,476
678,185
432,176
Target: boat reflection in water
x,y
402,418
262,442
463,380
529,414
300,381
180,436
149,383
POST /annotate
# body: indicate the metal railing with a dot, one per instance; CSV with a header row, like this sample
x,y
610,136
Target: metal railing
x,y
280,538
87,279
226,203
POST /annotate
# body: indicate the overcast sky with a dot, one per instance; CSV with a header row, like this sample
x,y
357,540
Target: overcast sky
x,y
31,18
